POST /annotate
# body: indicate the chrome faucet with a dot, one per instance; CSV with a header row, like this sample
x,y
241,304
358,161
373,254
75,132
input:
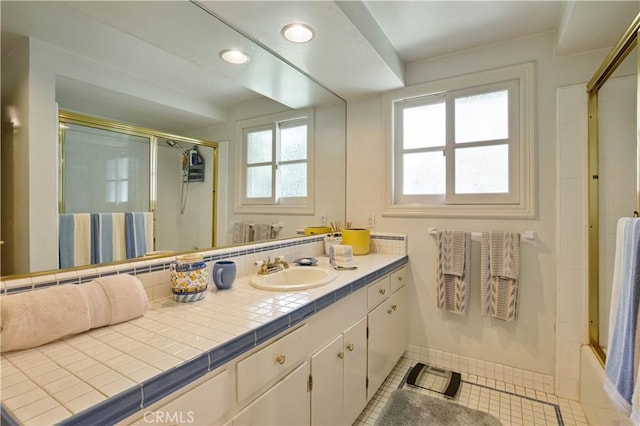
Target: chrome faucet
x,y
269,267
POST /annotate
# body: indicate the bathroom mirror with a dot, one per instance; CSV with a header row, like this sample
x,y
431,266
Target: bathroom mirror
x,y
614,171
148,64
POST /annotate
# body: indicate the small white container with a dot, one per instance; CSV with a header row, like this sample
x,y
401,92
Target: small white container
x,y
330,241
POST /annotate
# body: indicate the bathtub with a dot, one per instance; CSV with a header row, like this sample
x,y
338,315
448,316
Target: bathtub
x,y
596,404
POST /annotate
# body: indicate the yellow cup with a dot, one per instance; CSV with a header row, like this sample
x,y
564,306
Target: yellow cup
x,y
358,239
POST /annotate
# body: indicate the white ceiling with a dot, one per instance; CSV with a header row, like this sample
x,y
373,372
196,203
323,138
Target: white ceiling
x,y
167,50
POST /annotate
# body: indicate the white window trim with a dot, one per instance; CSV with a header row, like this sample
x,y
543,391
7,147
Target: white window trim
x,y
301,207
526,207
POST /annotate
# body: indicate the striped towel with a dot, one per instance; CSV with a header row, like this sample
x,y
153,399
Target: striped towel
x,y
453,270
138,233
107,237
74,239
500,269
262,231
621,368
242,232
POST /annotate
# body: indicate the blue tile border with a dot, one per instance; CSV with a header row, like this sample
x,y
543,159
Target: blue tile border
x,y
298,315
156,388
6,419
237,346
109,411
133,400
271,329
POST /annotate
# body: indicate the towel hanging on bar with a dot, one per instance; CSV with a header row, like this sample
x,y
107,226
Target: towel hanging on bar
x,y
453,270
500,269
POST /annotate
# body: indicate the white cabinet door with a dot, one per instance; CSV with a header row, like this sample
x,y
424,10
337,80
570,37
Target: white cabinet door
x,y
399,325
379,332
355,371
327,370
286,403
387,338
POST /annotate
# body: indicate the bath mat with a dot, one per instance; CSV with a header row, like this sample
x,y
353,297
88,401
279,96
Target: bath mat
x,y
406,408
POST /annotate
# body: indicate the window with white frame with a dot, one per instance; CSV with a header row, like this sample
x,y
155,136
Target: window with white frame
x,y
276,164
462,146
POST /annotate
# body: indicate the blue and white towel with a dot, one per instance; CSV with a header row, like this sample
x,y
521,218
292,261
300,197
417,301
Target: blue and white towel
x,y
137,227
621,369
74,239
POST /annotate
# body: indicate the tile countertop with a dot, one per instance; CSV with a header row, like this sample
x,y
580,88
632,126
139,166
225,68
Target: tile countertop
x,y
109,373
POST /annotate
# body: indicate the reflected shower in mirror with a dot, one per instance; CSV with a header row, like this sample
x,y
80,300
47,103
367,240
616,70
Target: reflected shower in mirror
x,y
185,206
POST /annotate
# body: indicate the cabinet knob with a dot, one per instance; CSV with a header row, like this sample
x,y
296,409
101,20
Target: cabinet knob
x,y
350,346
281,359
340,355
382,291
389,311
394,307
399,278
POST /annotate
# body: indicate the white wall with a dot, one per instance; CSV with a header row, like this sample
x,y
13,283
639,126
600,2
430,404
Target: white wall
x,y
15,193
530,342
36,203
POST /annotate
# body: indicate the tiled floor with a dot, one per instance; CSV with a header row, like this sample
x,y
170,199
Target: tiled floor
x,y
513,405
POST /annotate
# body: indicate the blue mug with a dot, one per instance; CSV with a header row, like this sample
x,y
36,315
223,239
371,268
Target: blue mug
x,y
224,274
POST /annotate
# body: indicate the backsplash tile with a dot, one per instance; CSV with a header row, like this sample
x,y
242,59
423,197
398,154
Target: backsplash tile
x,y
489,370
154,273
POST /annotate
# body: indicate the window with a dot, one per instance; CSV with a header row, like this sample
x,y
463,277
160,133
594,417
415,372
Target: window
x,y
462,146
276,164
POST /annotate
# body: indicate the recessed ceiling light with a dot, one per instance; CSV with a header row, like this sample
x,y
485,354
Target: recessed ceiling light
x,y
298,33
234,56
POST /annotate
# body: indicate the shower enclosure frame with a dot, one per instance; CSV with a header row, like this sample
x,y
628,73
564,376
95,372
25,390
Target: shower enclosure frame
x,y
627,42
153,135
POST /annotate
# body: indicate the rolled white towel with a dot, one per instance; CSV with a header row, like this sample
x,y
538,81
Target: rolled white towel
x,y
98,303
37,317
126,296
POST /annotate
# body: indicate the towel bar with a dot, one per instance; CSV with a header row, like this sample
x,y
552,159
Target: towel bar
x,y
526,235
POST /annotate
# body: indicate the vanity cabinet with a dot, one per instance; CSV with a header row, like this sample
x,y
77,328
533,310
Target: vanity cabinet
x,y
261,369
285,403
388,335
339,377
320,372
206,403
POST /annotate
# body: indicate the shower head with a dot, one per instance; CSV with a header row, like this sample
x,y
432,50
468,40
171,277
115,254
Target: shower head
x,y
173,143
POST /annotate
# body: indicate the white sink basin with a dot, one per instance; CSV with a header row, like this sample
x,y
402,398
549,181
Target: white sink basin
x,y
292,279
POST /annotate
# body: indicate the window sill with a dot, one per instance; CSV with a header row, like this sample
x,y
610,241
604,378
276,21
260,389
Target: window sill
x,y
514,211
302,210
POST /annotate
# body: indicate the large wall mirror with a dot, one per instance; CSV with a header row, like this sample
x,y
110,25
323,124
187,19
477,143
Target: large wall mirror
x,y
614,171
150,65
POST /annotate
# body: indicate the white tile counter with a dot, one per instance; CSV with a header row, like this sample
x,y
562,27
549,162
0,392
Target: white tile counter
x,y
109,373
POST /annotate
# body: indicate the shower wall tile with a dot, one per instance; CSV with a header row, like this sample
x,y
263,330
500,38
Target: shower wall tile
x,y
571,305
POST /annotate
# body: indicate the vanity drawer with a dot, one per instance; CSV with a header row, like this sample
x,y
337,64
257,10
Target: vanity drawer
x,y
271,363
398,279
378,292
